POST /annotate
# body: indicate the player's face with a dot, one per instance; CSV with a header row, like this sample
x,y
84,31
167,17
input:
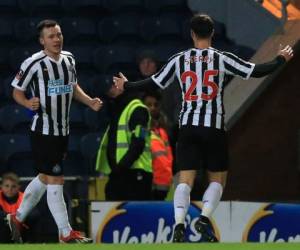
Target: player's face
x,y
52,40
147,67
9,188
153,106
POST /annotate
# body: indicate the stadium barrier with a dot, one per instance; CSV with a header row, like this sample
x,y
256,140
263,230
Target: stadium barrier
x,y
152,222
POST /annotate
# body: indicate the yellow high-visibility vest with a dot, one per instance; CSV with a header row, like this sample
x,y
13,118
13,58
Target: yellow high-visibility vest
x,y
123,141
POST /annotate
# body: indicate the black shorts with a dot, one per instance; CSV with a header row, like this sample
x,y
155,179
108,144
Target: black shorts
x,y
48,153
202,147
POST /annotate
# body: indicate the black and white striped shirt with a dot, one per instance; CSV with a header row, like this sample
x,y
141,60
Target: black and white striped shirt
x,y
52,82
201,74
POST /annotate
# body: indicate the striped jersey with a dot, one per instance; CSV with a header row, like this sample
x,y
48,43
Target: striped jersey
x,y
201,74
52,82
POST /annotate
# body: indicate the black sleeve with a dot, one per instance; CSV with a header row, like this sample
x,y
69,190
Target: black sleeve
x,y
143,85
137,145
264,69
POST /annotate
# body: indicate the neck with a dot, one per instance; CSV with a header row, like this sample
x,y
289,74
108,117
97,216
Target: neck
x,y
12,199
202,43
54,56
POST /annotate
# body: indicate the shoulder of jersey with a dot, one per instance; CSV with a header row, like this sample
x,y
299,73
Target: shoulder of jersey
x,y
178,54
216,50
35,57
66,53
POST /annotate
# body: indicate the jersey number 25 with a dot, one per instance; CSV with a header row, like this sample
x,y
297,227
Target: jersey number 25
x,y
206,83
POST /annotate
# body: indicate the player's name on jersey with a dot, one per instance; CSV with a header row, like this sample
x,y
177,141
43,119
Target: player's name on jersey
x,y
194,59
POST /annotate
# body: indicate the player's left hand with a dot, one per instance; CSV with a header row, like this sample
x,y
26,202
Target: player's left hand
x,y
96,104
287,52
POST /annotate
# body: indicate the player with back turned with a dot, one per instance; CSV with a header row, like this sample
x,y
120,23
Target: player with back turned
x,y
202,72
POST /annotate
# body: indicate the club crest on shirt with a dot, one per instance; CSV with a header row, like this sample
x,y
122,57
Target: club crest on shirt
x,y
19,74
56,169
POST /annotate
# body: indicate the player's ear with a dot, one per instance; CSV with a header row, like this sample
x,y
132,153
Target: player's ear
x,y
42,42
193,35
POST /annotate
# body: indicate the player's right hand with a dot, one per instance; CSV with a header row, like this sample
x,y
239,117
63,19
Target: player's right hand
x,y
287,52
33,103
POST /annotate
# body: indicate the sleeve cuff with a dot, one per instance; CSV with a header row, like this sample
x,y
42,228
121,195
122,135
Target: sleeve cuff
x,y
157,83
250,71
18,87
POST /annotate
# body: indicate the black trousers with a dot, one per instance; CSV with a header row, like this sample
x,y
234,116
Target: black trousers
x,y
27,234
131,184
4,229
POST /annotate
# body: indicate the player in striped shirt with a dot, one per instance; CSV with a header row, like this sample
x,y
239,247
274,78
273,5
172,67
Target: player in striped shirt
x,y
51,76
202,72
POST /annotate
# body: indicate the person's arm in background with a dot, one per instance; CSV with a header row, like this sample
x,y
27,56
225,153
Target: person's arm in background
x,y
94,103
139,117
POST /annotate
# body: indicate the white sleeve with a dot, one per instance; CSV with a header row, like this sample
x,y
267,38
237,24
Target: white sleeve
x,y
165,76
24,76
236,66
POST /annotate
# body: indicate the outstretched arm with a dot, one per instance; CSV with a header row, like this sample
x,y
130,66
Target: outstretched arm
x,y
162,79
264,69
143,85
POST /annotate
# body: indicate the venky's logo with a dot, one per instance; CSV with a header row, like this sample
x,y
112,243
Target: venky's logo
x,y
145,222
274,223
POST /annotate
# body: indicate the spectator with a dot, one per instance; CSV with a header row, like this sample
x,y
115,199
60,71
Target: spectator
x,y
10,200
147,64
162,158
124,152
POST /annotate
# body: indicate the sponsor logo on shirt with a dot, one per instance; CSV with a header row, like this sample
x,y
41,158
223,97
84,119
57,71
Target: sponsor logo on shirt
x,y
56,169
57,87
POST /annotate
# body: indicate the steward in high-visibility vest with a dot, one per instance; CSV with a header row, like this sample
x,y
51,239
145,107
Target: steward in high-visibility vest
x,y
125,154
162,157
162,160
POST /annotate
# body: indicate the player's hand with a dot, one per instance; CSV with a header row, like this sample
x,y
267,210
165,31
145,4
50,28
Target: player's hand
x,y
119,81
33,103
287,52
96,104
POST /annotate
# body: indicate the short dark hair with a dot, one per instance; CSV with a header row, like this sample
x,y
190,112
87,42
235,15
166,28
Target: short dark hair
x,y
152,93
45,24
147,54
202,25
